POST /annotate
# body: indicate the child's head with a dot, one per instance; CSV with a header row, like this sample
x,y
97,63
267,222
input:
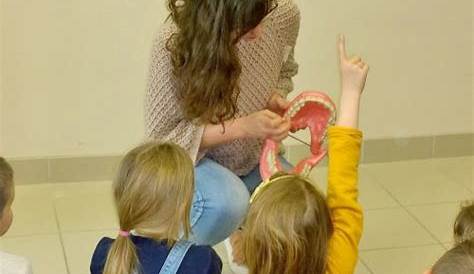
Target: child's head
x,y
7,193
287,228
153,195
464,224
458,260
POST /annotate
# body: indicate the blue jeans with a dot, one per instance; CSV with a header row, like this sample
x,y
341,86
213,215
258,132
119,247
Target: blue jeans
x,y
221,200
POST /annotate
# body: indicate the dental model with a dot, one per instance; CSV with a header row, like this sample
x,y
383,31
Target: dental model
x,y
313,110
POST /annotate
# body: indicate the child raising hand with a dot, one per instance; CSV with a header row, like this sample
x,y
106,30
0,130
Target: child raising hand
x,y
291,227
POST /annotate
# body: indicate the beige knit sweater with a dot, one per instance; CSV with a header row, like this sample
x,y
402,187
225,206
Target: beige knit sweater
x,y
267,66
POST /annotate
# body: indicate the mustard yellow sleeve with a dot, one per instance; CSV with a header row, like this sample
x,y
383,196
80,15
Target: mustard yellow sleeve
x,y
346,212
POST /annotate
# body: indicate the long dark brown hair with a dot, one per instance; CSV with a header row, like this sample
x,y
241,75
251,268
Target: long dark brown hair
x,y
204,55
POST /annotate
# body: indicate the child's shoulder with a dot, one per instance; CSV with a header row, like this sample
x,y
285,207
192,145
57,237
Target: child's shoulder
x,y
14,264
201,259
201,252
100,255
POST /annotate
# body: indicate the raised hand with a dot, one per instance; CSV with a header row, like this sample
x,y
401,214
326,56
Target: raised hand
x,y
353,70
353,76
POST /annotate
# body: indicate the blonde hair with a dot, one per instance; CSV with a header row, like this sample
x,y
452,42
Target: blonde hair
x,y
287,229
153,195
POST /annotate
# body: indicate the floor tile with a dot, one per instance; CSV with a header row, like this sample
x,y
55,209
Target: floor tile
x,y
371,194
393,241
417,182
79,247
62,190
319,177
403,260
438,219
33,213
44,252
362,269
86,212
460,169
386,228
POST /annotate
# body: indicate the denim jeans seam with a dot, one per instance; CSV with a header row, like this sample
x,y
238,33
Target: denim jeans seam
x,y
198,207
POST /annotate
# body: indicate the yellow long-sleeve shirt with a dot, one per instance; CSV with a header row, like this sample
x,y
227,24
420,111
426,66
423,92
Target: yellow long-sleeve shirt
x,y
342,194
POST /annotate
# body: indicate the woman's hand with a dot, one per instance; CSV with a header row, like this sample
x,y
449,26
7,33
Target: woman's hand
x,y
278,104
264,124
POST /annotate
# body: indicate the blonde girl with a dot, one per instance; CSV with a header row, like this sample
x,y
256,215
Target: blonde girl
x,y
291,227
153,195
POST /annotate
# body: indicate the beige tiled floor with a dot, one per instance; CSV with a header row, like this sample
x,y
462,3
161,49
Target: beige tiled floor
x,y
409,210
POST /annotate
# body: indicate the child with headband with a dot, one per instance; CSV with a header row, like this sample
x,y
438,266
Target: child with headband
x,y
291,228
153,195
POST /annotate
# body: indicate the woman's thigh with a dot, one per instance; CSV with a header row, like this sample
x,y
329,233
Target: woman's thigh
x,y
220,203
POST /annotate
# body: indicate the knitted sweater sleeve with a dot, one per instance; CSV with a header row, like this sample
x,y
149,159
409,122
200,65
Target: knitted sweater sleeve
x,y
288,71
164,119
287,19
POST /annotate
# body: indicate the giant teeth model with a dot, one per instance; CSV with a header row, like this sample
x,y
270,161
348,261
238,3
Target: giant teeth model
x,y
313,110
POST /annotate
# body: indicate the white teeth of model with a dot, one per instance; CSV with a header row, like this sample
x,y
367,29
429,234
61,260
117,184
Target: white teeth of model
x,y
292,113
298,108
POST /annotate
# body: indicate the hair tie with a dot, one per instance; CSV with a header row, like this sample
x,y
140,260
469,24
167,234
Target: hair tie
x,y
124,233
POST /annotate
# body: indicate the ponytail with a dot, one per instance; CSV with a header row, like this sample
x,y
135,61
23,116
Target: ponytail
x,y
122,257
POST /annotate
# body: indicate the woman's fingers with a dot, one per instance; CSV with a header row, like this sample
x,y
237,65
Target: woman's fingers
x,y
281,132
271,115
283,103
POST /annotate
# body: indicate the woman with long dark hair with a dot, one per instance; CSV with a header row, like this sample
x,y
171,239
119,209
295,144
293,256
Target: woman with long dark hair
x,y
220,72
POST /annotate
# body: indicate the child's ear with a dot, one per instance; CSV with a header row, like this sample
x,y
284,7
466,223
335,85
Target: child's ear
x,y
428,271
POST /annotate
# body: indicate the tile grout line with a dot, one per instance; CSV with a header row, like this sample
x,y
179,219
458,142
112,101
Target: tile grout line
x,y
398,247
366,265
423,226
411,215
61,240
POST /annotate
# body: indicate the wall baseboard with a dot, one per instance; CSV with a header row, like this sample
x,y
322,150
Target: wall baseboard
x,y
79,169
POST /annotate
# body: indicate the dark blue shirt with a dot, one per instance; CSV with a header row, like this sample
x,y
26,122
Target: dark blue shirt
x,y
152,255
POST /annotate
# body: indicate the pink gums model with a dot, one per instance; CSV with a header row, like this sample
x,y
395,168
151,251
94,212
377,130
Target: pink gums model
x,y
313,110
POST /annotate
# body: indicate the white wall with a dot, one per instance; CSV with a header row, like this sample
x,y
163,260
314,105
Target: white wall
x,y
420,54
75,75
74,72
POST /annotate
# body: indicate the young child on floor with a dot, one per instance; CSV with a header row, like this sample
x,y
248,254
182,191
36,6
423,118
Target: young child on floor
x,y
291,228
153,195
459,259
9,264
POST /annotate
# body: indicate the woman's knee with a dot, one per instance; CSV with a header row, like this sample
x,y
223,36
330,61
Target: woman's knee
x,y
222,204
